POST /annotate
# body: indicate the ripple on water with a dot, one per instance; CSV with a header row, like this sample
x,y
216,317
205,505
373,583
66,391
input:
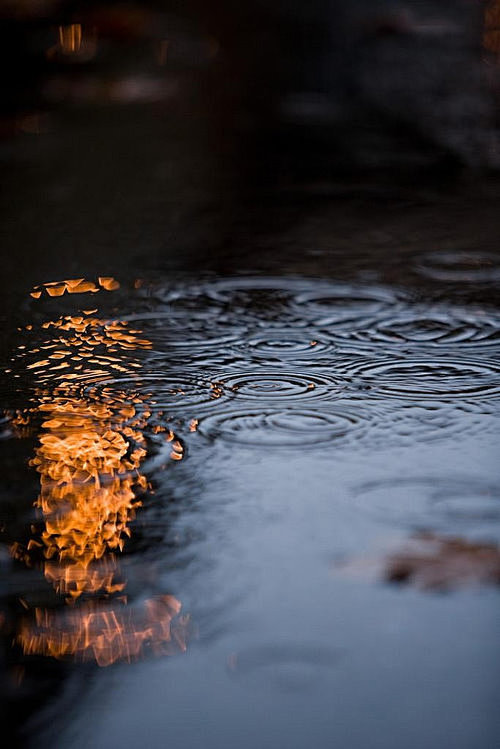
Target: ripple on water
x,y
194,300
171,391
413,423
284,428
184,342
429,325
165,448
295,667
427,378
272,300
165,330
275,345
265,292
343,304
459,265
274,386
453,505
229,299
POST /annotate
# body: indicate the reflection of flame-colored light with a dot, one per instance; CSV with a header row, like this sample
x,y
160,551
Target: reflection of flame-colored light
x,y
107,635
70,38
80,577
89,455
108,283
88,458
75,286
177,450
74,43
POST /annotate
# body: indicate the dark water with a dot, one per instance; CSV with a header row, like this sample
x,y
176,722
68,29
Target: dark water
x,y
287,423
251,383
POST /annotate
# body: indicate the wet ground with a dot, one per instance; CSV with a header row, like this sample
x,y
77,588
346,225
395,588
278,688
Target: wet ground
x,y
250,444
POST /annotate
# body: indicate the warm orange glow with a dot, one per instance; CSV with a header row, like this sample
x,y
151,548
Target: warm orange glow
x,y
107,635
109,283
70,38
86,502
75,43
491,33
177,450
75,286
72,580
88,458
56,290
216,389
89,455
86,340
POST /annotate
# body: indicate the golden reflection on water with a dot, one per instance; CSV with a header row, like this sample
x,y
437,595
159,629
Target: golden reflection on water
x,y
74,43
70,37
107,634
75,286
91,447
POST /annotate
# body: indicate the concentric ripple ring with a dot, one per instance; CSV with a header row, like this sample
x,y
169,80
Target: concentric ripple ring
x,y
174,392
339,304
281,428
287,344
429,325
274,386
437,378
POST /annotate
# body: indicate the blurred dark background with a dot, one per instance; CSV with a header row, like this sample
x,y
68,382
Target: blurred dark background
x,y
181,133
417,74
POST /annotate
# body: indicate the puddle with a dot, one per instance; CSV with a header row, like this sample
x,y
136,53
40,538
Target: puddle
x,y
250,334
197,441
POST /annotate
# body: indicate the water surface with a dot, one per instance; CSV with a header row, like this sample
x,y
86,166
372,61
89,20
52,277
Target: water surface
x,y
188,459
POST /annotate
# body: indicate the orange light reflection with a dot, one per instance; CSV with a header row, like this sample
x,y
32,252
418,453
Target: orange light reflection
x,y
107,635
74,43
89,455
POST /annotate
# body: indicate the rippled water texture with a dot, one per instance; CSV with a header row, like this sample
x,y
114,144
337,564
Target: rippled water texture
x,y
200,453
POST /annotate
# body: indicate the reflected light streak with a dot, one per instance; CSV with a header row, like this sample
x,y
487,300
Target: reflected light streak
x,y
70,38
107,634
90,449
75,43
